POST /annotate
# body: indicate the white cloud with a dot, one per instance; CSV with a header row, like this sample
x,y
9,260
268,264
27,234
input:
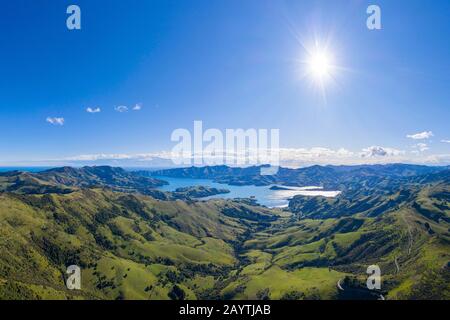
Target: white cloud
x,y
121,109
120,156
445,141
289,157
420,135
437,159
137,107
93,110
421,147
377,151
55,121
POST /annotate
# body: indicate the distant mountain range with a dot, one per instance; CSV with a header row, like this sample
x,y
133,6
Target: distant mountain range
x,y
62,180
133,241
330,177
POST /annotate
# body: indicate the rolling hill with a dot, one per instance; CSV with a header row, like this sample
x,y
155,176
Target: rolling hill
x,y
134,243
66,178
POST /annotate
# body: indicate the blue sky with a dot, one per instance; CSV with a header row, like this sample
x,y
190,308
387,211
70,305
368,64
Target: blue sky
x,y
231,64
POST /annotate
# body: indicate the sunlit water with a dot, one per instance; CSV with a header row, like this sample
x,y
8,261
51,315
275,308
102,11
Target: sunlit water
x,y
263,195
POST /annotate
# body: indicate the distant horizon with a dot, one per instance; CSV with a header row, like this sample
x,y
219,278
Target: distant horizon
x,y
43,168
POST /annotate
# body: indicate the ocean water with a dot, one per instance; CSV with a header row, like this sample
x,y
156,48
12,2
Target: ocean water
x,y
263,195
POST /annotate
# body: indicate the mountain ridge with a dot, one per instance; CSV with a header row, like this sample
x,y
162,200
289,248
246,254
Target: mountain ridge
x,y
326,176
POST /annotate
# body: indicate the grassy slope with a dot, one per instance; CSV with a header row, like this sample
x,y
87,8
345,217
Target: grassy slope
x,y
135,247
129,246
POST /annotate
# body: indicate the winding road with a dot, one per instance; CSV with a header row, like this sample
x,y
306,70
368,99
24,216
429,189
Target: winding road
x,y
409,233
396,264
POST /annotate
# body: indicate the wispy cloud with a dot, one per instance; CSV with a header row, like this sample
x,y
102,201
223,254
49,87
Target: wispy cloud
x,y
121,109
137,107
120,156
377,151
93,110
445,141
421,147
289,157
55,121
420,135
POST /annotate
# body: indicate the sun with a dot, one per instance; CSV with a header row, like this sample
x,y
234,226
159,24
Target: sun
x,y
320,66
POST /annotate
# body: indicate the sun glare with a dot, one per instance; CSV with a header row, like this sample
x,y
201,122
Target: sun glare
x,y
320,66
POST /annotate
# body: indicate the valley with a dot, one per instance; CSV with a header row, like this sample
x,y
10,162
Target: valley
x,y
135,241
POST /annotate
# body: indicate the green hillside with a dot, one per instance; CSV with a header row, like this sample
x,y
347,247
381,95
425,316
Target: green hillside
x,y
134,246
